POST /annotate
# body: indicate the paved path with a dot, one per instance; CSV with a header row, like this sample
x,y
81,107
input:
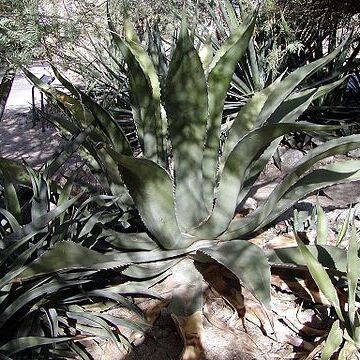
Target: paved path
x,y
19,139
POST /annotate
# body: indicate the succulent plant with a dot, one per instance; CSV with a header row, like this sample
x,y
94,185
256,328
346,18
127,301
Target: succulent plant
x,y
186,184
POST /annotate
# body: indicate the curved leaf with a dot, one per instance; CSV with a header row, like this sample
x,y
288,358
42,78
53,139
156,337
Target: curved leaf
x,y
102,118
333,341
328,256
248,262
186,105
291,189
220,75
236,166
22,235
321,225
152,191
246,118
150,270
136,241
144,92
353,274
287,86
67,255
320,277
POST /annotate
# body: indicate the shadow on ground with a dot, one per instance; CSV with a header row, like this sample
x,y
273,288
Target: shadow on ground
x,y
21,140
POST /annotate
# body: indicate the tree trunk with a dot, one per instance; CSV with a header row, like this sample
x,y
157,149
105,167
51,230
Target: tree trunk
x,y
5,87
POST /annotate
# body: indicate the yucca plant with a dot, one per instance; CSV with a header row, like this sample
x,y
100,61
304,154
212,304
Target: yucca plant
x,y
186,187
42,312
344,336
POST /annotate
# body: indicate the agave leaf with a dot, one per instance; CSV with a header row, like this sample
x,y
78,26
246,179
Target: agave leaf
x,y
159,255
321,225
137,325
320,277
114,179
333,341
88,151
293,107
106,294
146,271
144,91
286,112
248,262
53,321
152,191
325,89
220,75
85,112
23,343
236,166
287,86
90,223
289,111
328,256
298,102
4,357
137,241
65,194
83,117
246,118
79,351
353,274
256,168
157,52
14,172
140,288
186,105
288,193
229,14
67,255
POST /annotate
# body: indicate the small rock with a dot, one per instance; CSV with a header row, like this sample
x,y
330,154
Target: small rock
x,y
354,153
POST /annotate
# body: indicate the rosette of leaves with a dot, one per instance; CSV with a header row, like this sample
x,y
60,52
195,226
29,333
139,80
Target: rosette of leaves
x,y
185,185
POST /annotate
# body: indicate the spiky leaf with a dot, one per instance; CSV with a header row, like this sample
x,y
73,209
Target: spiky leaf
x,y
186,105
152,191
248,262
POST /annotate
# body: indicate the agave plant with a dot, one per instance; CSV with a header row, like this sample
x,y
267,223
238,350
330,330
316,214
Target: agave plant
x,y
186,186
